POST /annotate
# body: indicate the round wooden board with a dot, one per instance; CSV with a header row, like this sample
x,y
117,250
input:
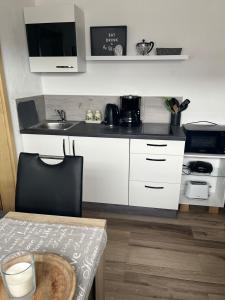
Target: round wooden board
x,y
55,278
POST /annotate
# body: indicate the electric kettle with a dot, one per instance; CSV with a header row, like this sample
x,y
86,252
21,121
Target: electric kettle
x,y
111,114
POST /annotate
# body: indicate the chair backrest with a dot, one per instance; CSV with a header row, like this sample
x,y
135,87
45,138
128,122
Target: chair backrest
x,y
49,189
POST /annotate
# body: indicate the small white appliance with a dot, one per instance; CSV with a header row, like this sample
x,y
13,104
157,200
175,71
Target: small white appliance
x,y
197,190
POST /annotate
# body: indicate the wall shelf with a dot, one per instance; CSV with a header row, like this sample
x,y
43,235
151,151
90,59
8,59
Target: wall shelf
x,y
139,58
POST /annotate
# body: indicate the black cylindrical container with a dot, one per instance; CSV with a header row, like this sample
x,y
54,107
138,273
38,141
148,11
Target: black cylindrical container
x,y
175,119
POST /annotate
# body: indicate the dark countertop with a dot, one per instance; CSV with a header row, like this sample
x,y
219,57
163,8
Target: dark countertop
x,y
156,131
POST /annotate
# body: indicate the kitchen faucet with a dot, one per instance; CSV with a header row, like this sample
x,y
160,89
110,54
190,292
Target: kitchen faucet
x,y
62,114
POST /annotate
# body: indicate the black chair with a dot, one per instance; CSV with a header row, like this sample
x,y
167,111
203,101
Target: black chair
x,y
49,189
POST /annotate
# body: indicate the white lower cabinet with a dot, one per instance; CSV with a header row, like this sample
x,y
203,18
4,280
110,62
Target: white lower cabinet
x,y
51,148
46,145
106,168
154,195
119,171
155,173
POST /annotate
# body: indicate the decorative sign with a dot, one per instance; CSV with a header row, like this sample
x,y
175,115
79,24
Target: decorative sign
x,y
108,40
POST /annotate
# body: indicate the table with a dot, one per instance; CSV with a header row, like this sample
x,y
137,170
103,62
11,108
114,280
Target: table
x,y
82,241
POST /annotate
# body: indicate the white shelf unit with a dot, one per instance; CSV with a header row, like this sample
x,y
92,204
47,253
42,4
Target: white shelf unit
x,y
139,58
204,156
216,180
216,196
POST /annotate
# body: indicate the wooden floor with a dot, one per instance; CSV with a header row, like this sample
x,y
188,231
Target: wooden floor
x,y
165,258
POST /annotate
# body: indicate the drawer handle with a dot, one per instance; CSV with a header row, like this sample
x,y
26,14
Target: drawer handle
x,y
64,67
154,187
157,145
153,159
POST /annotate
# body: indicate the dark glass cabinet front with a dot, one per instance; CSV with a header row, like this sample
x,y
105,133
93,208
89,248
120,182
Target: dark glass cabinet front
x,y
51,39
203,142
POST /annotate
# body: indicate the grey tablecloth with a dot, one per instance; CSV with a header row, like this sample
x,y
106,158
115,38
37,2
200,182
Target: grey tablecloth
x,y
82,246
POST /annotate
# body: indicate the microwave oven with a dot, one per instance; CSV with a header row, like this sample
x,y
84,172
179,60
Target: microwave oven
x,y
209,139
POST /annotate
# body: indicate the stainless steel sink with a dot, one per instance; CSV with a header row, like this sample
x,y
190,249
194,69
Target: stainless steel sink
x,y
54,125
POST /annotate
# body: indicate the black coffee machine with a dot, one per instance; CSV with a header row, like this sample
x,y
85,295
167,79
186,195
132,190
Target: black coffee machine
x,y
130,111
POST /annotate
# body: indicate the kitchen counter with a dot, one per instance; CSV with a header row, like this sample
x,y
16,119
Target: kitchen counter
x,y
145,131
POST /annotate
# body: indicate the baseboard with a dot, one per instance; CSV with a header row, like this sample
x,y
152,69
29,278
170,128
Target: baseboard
x,y
130,210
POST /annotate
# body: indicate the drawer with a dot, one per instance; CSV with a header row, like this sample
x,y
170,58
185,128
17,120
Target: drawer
x,y
157,147
154,195
156,168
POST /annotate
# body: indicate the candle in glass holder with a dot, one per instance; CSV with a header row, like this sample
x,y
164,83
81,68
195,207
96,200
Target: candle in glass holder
x,y
18,274
19,279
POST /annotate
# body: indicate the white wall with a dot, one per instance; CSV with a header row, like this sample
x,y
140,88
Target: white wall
x,y
196,25
20,82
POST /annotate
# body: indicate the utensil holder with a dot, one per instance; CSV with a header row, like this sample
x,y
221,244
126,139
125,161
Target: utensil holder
x,y
175,119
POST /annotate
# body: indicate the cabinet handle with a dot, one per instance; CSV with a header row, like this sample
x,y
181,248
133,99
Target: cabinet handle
x,y
64,67
153,159
74,148
154,187
64,150
157,145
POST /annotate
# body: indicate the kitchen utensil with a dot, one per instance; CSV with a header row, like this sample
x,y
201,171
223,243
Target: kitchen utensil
x,y
184,104
197,190
175,108
144,48
111,114
167,102
172,104
175,102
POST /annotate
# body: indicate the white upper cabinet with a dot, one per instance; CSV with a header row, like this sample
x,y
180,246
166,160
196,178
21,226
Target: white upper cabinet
x,y
55,38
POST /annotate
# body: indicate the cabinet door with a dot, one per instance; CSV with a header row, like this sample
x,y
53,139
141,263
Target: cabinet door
x,y
106,168
46,145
